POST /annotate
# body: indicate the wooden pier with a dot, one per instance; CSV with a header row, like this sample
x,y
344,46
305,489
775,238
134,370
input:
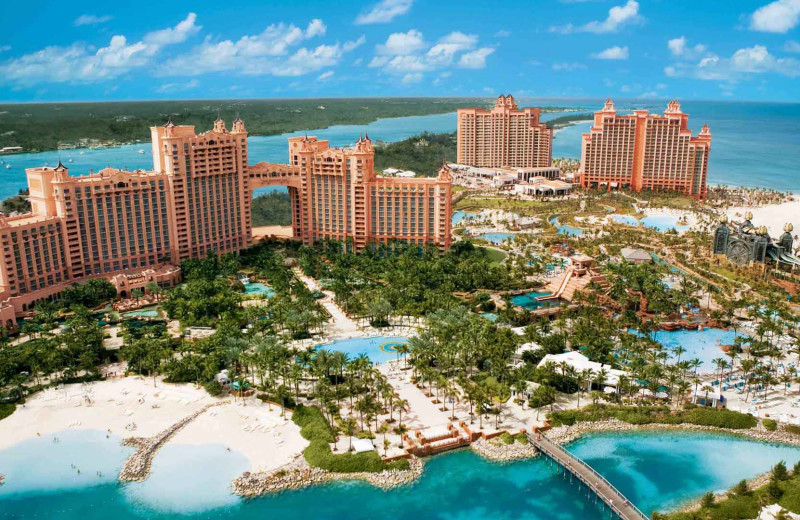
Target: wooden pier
x,y
602,488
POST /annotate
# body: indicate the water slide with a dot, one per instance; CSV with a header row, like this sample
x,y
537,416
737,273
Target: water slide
x,y
785,258
563,285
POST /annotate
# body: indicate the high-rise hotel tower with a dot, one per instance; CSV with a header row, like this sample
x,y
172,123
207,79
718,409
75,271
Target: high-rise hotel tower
x,y
504,136
134,227
643,151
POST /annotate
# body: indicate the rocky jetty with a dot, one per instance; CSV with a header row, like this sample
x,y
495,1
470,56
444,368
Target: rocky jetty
x,y
496,449
137,467
298,474
566,434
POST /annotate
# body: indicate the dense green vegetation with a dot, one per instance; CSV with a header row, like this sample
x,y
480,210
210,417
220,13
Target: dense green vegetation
x,y
656,415
272,209
6,409
563,121
405,279
741,502
44,126
17,203
315,428
422,154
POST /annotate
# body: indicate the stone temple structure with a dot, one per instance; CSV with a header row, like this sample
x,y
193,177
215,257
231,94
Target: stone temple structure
x,y
745,244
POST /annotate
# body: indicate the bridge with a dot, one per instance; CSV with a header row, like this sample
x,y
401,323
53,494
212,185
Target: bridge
x,y
602,488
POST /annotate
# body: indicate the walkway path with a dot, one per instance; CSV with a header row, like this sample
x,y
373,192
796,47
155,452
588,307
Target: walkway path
x,y
621,506
341,323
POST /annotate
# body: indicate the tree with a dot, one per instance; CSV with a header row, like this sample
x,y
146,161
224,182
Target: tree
x,y
349,428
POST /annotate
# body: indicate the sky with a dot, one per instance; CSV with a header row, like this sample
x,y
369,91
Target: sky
x,y
687,49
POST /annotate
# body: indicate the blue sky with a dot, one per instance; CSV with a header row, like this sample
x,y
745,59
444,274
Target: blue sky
x,y
734,49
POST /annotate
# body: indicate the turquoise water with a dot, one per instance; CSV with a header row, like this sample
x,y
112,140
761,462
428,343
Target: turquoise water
x,y
259,288
497,238
460,216
663,223
700,344
379,349
491,316
528,300
141,313
651,469
628,220
754,144
564,229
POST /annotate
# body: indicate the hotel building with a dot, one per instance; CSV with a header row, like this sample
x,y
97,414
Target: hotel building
x,y
504,136
643,151
135,227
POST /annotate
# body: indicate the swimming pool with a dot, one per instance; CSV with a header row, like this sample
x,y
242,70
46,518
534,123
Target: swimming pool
x,y
146,312
663,223
628,220
491,316
460,216
564,229
497,238
259,288
528,300
700,344
379,349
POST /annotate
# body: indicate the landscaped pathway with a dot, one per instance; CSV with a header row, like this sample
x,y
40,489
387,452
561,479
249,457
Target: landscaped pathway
x,y
341,323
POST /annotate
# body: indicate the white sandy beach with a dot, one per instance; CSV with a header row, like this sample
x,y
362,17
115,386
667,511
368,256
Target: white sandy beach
x,y
254,430
774,216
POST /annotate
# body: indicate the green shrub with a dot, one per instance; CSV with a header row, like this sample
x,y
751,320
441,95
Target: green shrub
x,y
779,471
769,424
7,409
316,429
655,415
214,388
792,428
506,438
707,500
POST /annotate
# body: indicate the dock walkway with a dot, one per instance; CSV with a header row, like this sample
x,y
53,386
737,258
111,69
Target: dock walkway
x,y
616,501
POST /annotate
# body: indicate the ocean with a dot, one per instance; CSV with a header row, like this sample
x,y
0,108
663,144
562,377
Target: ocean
x,y
754,144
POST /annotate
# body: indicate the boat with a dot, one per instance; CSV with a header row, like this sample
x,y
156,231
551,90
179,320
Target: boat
x,y
141,151
8,166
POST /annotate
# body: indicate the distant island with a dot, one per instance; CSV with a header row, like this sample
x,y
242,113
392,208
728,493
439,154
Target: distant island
x,y
51,126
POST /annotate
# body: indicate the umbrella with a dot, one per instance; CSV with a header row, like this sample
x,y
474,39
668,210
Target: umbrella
x,y
610,390
662,395
647,392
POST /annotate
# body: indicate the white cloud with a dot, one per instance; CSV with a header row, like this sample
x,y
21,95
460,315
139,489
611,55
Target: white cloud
x,y
171,35
408,54
402,43
80,63
791,46
325,75
5,48
618,17
315,28
90,19
776,17
612,53
412,77
744,62
502,33
475,59
679,48
350,45
267,53
177,87
567,66
384,11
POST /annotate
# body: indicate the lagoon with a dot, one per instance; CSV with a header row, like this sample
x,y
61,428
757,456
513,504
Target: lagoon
x,y
653,469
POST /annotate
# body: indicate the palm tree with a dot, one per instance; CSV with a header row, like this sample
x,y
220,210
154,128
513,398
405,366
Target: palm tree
x,y
349,427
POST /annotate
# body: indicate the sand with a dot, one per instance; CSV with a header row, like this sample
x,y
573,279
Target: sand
x,y
133,400
774,216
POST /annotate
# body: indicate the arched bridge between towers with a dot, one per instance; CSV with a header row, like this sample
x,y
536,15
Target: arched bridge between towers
x,y
273,174
602,488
